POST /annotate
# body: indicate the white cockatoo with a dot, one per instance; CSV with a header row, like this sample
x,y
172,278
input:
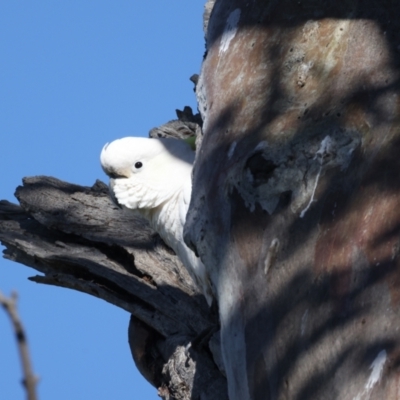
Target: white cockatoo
x,y
153,176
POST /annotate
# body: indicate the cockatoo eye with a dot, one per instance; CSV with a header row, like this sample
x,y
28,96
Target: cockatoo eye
x,y
138,165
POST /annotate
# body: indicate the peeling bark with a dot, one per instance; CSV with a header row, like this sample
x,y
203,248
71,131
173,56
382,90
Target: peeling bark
x,y
295,205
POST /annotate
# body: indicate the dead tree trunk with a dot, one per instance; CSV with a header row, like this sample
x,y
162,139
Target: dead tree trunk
x,y
296,199
295,212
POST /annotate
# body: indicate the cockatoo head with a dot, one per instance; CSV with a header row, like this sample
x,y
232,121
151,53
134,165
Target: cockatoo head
x,y
145,172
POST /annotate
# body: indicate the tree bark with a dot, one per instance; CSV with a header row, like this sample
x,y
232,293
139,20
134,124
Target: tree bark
x,y
295,212
295,203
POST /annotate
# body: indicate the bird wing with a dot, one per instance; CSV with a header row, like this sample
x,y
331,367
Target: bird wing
x,y
139,194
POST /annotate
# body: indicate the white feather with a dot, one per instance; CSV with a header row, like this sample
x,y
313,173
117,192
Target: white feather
x,y
159,187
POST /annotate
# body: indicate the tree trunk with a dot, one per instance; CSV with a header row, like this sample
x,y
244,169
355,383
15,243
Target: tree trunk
x,y
296,199
295,212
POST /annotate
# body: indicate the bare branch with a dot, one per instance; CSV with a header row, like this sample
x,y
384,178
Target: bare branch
x,y
30,380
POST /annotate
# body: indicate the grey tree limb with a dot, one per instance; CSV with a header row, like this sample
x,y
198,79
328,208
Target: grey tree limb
x,y
78,239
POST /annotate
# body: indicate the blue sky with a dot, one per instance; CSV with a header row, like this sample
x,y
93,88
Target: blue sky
x,y
73,76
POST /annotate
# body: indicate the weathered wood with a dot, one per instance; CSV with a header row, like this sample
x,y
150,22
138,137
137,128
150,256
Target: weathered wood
x,y
77,238
295,206
72,214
